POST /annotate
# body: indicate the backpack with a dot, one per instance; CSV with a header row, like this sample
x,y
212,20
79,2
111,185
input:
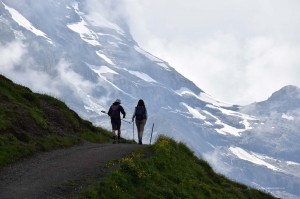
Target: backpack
x,y
115,113
140,113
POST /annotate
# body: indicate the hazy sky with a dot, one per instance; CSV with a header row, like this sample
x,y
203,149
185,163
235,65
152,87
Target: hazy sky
x,y
238,51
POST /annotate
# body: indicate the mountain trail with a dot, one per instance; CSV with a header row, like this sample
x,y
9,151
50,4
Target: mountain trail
x,y
51,174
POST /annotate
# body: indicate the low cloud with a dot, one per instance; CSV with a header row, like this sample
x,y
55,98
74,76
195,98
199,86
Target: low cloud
x,y
22,69
215,159
239,52
11,55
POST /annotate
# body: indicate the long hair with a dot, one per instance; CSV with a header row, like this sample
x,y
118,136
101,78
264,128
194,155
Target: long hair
x,y
141,103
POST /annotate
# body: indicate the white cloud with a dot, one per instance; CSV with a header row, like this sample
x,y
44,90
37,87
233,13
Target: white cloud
x,y
237,51
21,68
215,160
8,59
67,77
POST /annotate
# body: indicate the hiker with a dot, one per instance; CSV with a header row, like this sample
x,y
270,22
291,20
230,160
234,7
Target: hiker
x,y
115,118
140,115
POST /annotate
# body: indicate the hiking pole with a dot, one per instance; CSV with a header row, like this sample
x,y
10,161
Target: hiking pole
x,y
151,133
126,121
133,131
104,112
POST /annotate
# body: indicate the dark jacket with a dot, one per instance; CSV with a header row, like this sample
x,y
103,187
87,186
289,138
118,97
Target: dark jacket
x,y
115,110
145,115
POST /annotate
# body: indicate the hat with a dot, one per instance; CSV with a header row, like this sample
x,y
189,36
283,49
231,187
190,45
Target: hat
x,y
118,101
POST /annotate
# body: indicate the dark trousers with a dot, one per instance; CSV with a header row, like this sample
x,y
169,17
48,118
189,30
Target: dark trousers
x,y
116,127
140,124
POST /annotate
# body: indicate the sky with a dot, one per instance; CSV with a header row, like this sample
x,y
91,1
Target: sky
x,y
238,51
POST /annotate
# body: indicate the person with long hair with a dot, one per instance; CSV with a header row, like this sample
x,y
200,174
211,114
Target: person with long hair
x,y
140,116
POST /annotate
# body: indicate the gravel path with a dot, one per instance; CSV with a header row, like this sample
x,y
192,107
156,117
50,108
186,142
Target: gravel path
x,y
42,175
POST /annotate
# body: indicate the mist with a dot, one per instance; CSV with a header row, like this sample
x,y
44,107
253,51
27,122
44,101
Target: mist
x,y
22,69
237,51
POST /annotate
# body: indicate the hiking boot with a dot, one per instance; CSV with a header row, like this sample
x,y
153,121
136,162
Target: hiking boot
x,y
140,142
119,138
114,139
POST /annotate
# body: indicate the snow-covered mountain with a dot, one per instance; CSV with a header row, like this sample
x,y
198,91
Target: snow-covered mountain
x,y
66,49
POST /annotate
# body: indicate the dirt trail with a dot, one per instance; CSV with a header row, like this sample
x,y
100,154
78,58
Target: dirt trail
x,y
42,176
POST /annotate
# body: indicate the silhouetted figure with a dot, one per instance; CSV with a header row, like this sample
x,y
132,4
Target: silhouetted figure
x,y
115,118
140,115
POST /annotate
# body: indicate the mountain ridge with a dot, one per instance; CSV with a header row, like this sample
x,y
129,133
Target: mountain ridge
x,y
285,100
90,64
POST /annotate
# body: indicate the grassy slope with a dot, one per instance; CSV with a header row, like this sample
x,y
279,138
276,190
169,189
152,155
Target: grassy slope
x,y
31,122
170,170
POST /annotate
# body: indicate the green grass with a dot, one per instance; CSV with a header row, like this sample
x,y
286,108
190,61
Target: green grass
x,y
38,117
170,171
92,137
32,122
13,149
3,122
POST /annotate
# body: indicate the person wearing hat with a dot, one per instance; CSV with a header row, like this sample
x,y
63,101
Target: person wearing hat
x,y
115,118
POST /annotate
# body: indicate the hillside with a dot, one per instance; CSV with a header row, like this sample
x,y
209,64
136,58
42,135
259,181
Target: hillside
x,y
167,169
31,122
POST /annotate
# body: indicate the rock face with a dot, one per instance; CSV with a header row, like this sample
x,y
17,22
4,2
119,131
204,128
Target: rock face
x,y
65,49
